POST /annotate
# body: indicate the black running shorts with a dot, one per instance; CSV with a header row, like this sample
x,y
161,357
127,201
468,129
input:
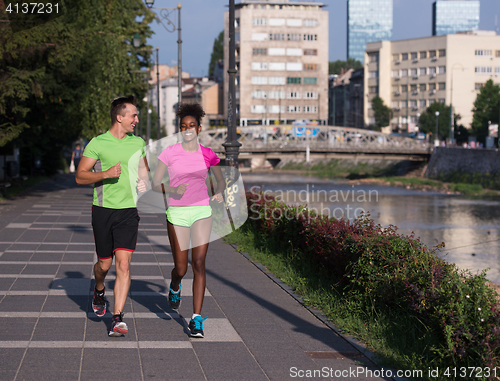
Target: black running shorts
x,y
114,229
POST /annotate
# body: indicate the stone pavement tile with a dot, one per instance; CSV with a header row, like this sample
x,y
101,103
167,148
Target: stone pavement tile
x,y
33,235
156,285
82,237
47,256
4,246
52,247
11,359
171,364
24,246
16,328
59,236
51,364
210,308
150,270
158,303
166,329
111,364
32,284
227,361
40,269
59,329
67,219
67,303
151,258
14,256
6,283
22,303
354,369
10,235
78,285
79,257
6,268
25,219
75,271
47,218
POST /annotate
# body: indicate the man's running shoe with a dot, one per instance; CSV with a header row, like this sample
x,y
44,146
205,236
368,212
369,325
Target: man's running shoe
x,y
174,297
99,303
118,327
196,326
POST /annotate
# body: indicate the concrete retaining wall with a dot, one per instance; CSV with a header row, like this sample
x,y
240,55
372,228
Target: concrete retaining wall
x,y
445,160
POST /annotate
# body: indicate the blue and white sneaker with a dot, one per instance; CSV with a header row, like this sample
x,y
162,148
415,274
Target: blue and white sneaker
x,y
196,326
174,297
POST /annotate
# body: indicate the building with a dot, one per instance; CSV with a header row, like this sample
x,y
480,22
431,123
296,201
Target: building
x,y
282,61
452,16
346,99
209,95
367,21
411,74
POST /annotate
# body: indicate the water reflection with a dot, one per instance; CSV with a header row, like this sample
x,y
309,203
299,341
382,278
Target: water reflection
x,y
469,227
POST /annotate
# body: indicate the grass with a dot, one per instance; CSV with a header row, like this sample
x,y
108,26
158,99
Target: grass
x,y
18,187
399,343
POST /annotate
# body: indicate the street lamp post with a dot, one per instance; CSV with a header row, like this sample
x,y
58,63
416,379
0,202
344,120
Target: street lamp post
x,y
436,138
158,95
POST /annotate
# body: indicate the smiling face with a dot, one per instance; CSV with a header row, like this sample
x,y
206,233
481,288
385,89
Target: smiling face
x,y
189,128
128,118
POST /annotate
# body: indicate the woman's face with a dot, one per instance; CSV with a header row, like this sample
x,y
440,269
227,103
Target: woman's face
x,y
189,128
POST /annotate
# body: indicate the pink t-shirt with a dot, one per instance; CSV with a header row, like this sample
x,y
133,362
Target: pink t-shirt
x,y
188,168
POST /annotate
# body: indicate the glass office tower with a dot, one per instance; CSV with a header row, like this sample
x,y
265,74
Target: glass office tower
x,y
451,16
367,21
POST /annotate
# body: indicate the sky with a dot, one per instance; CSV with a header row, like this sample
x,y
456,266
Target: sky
x,y
203,20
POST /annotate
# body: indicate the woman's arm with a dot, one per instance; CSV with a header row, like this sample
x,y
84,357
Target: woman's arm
x,y
158,186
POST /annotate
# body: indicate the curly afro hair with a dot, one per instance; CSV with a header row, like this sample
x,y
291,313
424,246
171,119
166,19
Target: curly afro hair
x,y
190,109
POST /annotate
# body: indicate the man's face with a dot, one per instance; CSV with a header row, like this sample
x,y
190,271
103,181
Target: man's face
x,y
129,118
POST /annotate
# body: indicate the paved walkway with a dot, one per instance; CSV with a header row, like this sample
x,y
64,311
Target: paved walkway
x,y
255,330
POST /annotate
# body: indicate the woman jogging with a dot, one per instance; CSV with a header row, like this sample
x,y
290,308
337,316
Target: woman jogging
x,y
189,215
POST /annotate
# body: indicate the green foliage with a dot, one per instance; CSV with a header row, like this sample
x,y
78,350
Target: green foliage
x,y
381,112
427,120
486,109
57,79
217,53
479,180
336,67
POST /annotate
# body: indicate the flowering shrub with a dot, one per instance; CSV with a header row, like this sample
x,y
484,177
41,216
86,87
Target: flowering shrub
x,y
379,267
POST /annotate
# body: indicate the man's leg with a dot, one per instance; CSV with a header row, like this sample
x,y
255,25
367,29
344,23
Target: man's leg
x,y
101,269
122,283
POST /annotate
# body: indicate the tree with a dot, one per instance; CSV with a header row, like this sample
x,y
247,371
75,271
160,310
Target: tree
x,y
336,67
381,112
486,109
217,53
427,121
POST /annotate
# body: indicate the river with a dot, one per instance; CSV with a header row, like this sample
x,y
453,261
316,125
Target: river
x,y
469,226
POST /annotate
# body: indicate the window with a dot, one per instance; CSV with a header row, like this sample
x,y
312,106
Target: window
x,y
483,53
310,52
277,66
413,88
276,80
259,80
395,73
413,103
497,70
442,52
293,95
404,72
277,36
441,100
259,65
310,37
404,104
432,70
373,89
395,88
432,86
310,22
293,52
414,72
277,22
259,36
414,55
404,88
259,51
442,69
293,80
310,67
310,109
432,53
293,22
498,53
276,95
294,37
275,109
422,87
423,54
423,103
294,66
423,71
373,74
258,94
441,86
310,81
404,56
373,57
260,109
395,57
293,109
310,95
483,70
395,104
259,21
276,51
479,86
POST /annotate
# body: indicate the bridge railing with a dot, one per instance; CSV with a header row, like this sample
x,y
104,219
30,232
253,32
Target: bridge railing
x,y
317,138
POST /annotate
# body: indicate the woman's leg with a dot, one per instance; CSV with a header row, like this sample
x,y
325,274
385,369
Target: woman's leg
x,y
200,236
178,236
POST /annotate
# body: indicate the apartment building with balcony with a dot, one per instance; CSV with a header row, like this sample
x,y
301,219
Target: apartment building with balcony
x,y
281,61
411,74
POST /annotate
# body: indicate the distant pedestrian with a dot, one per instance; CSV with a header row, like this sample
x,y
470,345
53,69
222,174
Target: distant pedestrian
x,y
189,215
112,161
76,156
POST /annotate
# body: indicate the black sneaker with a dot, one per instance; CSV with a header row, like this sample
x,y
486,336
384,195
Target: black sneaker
x,y
99,303
174,297
118,327
196,326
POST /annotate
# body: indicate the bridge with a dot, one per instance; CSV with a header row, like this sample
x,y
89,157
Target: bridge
x,y
313,142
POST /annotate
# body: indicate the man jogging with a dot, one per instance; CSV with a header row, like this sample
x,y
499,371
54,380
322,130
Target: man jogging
x,y
114,162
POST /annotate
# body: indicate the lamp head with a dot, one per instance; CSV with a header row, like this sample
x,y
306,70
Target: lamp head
x,y
136,40
149,3
437,113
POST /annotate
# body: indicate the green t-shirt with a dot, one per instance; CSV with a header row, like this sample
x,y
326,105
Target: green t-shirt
x,y
118,193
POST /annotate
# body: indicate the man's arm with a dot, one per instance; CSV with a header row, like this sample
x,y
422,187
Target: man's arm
x,y
85,176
